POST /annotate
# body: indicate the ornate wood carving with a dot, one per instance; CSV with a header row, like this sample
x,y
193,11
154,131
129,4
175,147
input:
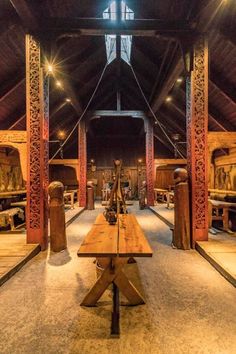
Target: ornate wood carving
x,y
37,143
82,163
150,163
45,147
197,129
14,136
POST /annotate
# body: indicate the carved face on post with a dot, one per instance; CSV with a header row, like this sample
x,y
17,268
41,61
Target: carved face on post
x,y
180,175
90,184
117,162
55,190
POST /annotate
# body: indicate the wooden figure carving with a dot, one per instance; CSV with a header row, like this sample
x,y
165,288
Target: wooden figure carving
x,y
181,232
116,202
142,195
57,217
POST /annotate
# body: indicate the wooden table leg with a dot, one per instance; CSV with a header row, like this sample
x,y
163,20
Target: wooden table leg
x,y
113,273
128,289
115,317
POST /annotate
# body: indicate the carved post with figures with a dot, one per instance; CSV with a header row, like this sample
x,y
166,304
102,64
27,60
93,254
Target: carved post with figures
x,y
82,163
197,130
37,117
149,162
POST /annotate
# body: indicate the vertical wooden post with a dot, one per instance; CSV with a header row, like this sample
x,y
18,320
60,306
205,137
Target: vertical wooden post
x,y
37,145
82,163
149,162
197,130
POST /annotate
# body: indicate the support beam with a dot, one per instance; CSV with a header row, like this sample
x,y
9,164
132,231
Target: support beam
x,y
37,108
197,130
118,113
149,162
82,156
99,27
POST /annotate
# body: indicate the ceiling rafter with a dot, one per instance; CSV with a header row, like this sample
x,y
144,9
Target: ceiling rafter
x,y
11,87
223,85
216,117
204,22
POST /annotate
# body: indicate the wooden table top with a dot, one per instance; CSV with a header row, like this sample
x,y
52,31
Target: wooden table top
x,y
124,239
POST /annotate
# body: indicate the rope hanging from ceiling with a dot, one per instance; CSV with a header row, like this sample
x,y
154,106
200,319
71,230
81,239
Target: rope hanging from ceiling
x,y
151,110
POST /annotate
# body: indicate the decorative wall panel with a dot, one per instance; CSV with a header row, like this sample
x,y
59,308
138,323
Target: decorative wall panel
x,y
197,130
150,163
82,163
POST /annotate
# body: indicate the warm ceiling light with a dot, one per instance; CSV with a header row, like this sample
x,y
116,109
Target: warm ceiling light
x,y
168,99
58,83
61,134
50,68
140,160
179,80
68,100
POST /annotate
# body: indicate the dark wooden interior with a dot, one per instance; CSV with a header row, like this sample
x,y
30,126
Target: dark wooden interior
x,y
156,61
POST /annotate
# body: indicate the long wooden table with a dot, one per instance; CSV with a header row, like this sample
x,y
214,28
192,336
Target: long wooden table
x,y
112,246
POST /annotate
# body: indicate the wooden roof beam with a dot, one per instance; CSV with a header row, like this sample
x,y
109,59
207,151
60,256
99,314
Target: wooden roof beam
x,y
226,87
204,22
99,27
10,89
25,12
171,122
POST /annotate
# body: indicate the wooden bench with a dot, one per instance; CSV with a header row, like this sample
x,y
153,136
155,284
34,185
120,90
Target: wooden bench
x,y
219,210
7,217
70,195
112,246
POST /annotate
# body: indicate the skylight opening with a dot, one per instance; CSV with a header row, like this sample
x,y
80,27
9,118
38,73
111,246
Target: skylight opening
x,y
126,40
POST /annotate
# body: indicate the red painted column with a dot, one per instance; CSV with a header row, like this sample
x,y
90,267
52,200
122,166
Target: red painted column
x,y
149,163
197,130
37,145
82,163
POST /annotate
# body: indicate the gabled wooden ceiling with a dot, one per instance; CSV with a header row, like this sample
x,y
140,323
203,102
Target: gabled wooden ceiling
x,y
156,61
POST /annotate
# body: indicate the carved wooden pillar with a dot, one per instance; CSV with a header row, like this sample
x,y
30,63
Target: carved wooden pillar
x,y
197,130
82,163
150,163
37,145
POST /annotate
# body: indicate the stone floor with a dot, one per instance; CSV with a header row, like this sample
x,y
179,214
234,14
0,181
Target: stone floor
x,y
190,307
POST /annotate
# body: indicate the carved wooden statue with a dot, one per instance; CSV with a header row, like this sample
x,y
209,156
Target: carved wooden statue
x,y
90,195
181,233
57,217
116,202
142,195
